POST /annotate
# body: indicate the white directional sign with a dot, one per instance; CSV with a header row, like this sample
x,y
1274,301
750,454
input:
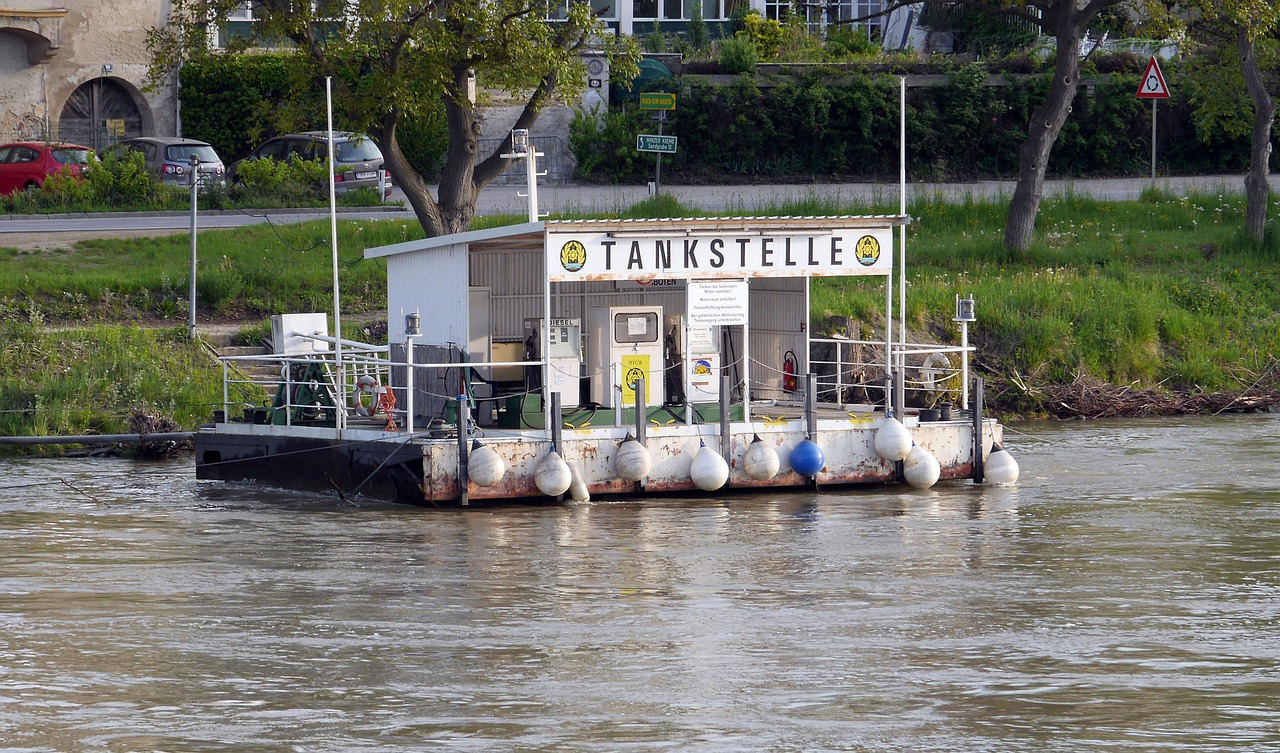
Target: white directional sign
x,y
647,142
1153,85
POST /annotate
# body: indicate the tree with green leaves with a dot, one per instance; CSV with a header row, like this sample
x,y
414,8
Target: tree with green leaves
x,y
389,59
1066,21
1232,36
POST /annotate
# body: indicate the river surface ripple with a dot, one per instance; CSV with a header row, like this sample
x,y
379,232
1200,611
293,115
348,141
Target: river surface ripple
x,y
1122,596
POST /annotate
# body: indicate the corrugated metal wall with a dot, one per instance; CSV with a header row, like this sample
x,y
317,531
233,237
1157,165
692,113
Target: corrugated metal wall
x,y
515,285
778,321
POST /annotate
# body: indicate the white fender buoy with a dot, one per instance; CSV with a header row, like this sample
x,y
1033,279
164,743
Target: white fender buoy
x,y
1000,467
632,462
553,476
484,465
893,440
760,461
708,471
577,486
921,468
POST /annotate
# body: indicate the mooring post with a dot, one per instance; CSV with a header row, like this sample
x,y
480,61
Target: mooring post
x,y
556,426
977,430
810,418
892,405
464,420
726,441
642,412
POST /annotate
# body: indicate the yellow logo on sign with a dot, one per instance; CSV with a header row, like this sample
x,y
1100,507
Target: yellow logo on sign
x,y
634,368
868,251
573,255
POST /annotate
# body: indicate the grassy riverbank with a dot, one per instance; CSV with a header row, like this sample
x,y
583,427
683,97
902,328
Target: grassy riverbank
x,y
1161,294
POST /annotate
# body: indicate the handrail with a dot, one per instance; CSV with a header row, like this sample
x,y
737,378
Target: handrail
x,y
932,381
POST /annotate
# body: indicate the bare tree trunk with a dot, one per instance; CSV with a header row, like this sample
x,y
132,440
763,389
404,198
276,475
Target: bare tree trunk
x,y
1256,183
1042,132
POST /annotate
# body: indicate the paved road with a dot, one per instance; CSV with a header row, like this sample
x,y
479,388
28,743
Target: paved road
x,y
509,200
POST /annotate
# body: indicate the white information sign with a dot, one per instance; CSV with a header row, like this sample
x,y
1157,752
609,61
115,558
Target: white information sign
x,y
596,255
717,303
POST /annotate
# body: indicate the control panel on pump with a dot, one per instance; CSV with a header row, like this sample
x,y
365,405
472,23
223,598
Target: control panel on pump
x,y
693,365
564,346
624,343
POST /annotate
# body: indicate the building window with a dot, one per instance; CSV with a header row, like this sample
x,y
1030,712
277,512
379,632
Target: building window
x,y
644,9
777,11
844,10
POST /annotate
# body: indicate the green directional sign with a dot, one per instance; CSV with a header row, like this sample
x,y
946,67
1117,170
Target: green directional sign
x,y
647,142
657,101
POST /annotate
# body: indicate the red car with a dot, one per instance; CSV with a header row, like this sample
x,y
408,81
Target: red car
x,y
25,164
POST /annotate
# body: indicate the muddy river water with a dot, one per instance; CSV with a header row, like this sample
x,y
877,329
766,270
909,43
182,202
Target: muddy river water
x,y
1125,595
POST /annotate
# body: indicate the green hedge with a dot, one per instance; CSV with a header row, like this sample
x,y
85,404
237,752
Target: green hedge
x,y
834,124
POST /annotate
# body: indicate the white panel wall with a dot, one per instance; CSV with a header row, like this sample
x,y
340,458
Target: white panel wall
x,y
435,283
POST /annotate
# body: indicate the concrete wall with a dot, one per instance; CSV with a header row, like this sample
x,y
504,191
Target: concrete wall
x,y
47,53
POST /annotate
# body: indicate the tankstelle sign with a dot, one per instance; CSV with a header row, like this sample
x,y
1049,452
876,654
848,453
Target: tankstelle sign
x,y
623,256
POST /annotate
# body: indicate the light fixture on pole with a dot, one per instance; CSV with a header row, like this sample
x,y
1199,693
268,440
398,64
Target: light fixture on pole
x,y
412,329
522,148
964,315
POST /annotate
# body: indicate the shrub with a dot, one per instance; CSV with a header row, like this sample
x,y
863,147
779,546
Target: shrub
x,y
424,139
846,42
604,143
739,55
655,41
295,180
123,180
699,38
766,33
66,190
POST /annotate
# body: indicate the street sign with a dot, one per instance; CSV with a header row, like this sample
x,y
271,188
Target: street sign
x,y
1153,85
657,101
647,142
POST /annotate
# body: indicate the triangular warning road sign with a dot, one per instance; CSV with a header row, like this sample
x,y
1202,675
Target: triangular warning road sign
x,y
1153,85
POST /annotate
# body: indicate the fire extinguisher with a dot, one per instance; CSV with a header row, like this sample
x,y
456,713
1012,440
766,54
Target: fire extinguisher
x,y
789,372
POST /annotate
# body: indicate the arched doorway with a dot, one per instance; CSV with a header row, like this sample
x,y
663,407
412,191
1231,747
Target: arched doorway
x,y
99,113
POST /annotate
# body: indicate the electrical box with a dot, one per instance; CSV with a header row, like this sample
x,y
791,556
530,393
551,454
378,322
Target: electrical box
x,y
564,345
624,343
289,334
694,365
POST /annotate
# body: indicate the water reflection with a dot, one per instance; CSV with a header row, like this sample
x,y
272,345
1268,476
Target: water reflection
x,y
1123,595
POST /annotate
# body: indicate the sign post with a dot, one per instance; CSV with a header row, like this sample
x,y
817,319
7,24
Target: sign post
x,y
1154,88
661,102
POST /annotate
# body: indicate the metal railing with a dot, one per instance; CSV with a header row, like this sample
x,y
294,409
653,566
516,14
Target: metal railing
x,y
366,372
853,371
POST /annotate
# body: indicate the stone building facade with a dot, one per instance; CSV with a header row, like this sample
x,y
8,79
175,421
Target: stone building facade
x,y
76,71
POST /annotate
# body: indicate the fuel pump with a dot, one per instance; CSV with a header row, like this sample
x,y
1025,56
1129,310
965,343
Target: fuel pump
x,y
564,342
624,343
695,363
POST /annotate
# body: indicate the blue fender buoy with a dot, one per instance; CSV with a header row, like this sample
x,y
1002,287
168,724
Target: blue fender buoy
x,y
807,458
1000,467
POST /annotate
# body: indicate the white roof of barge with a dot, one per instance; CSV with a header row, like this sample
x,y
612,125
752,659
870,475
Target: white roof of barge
x,y
524,235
